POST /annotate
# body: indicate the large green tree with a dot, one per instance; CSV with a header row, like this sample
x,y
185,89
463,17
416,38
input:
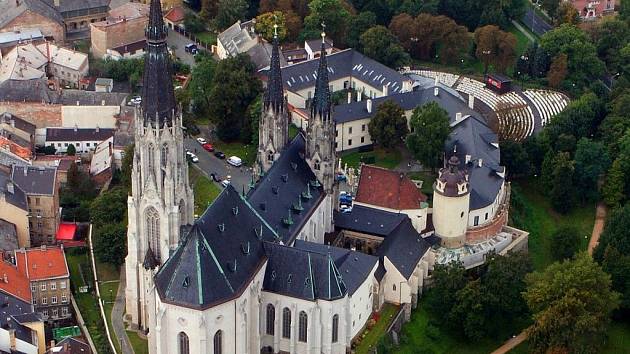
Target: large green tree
x,y
565,242
610,36
358,25
388,127
571,303
109,207
265,25
201,84
230,11
515,159
333,14
447,281
430,128
381,45
591,162
562,189
110,243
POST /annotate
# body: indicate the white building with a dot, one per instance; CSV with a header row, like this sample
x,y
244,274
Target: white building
x,y
83,139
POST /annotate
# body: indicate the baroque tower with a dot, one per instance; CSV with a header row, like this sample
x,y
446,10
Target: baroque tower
x,y
320,137
273,126
161,199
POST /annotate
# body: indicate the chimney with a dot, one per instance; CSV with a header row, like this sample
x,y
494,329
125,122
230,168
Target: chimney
x,y
5,279
468,158
471,101
480,162
349,97
458,116
385,90
97,129
369,105
436,91
12,339
12,121
76,128
102,102
359,96
10,187
57,3
25,169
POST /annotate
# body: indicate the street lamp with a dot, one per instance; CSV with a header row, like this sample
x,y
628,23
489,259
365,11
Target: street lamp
x,y
486,53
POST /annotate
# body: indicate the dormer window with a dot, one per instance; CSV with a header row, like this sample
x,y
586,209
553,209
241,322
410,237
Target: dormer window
x,y
270,156
316,165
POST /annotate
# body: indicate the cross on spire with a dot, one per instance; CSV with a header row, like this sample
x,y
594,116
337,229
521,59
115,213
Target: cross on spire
x,y
323,32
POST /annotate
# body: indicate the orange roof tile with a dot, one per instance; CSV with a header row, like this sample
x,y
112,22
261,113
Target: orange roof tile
x,y
175,14
388,189
42,263
13,282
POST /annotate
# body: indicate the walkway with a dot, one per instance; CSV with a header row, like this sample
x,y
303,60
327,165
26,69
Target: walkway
x,y
600,218
511,343
523,31
118,311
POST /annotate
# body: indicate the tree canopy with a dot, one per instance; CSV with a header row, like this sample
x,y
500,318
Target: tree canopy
x,y
430,128
388,127
495,47
381,45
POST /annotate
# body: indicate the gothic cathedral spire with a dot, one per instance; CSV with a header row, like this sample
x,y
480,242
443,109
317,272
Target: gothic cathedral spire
x,y
273,125
161,199
158,96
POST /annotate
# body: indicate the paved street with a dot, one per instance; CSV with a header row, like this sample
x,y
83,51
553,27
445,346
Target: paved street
x,y
535,23
208,163
177,40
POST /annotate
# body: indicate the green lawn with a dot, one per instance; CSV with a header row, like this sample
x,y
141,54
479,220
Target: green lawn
x,y
109,297
427,179
522,42
371,337
140,346
107,271
541,221
383,158
246,152
208,38
293,131
205,190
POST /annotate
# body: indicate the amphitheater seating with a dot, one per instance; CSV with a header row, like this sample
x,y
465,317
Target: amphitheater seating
x,y
447,79
548,103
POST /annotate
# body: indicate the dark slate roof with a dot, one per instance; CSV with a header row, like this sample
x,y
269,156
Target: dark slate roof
x,y
302,274
131,47
79,134
158,96
404,247
34,90
473,137
315,44
35,180
218,257
274,94
18,197
19,123
9,10
342,64
282,187
77,5
91,98
369,220
407,101
354,266
12,306
74,346
322,105
28,317
8,236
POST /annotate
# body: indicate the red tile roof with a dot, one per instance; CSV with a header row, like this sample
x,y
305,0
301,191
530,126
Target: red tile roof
x,y
388,189
42,263
16,283
66,231
175,14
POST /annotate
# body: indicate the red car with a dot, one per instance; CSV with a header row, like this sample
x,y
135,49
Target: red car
x,y
208,147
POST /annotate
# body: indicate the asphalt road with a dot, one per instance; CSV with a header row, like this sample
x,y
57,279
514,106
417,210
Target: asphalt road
x,y
208,163
536,23
179,42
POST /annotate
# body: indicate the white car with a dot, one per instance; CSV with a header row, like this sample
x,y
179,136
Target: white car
x,y
225,183
194,159
136,100
201,141
235,161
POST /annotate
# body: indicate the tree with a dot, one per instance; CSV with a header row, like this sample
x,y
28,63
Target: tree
x,y
293,23
571,303
79,183
448,280
495,47
127,166
579,119
618,266
613,188
415,7
562,189
230,11
380,44
566,14
209,9
358,25
110,243
193,23
610,36
565,242
591,162
265,25
109,207
389,125
201,84
515,159
468,310
616,233
430,127
551,6
557,71
71,150
333,14
624,10
233,89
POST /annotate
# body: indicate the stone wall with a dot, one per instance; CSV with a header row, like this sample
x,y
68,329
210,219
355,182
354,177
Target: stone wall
x,y
116,34
478,234
32,20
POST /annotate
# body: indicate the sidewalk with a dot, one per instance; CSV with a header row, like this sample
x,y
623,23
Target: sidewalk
x,y
600,218
511,343
118,312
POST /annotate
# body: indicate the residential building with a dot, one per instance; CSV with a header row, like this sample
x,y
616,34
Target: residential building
x,y
32,15
85,140
17,138
78,14
103,85
8,236
102,159
8,40
41,187
241,38
70,345
60,162
48,277
14,210
66,66
175,17
167,4
593,9
123,27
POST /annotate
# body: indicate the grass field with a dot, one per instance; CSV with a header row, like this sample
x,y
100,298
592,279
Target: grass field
x,y
427,179
293,131
378,331
205,190
541,221
383,158
246,152
108,294
140,346
208,38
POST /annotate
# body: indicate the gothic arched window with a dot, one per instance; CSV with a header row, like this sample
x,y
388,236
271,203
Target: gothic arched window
x,y
184,347
286,323
270,156
335,328
271,319
303,324
218,342
164,155
316,165
153,231
151,157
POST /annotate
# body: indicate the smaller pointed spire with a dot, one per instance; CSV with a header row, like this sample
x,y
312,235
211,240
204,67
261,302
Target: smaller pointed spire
x,y
274,95
156,29
321,100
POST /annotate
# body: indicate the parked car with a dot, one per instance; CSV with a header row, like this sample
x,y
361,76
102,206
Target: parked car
x,y
345,209
235,161
194,158
345,198
191,48
201,141
135,101
219,154
225,183
208,147
214,177
341,177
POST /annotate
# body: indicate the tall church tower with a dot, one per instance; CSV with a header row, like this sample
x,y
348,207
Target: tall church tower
x,y
273,126
320,137
161,200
